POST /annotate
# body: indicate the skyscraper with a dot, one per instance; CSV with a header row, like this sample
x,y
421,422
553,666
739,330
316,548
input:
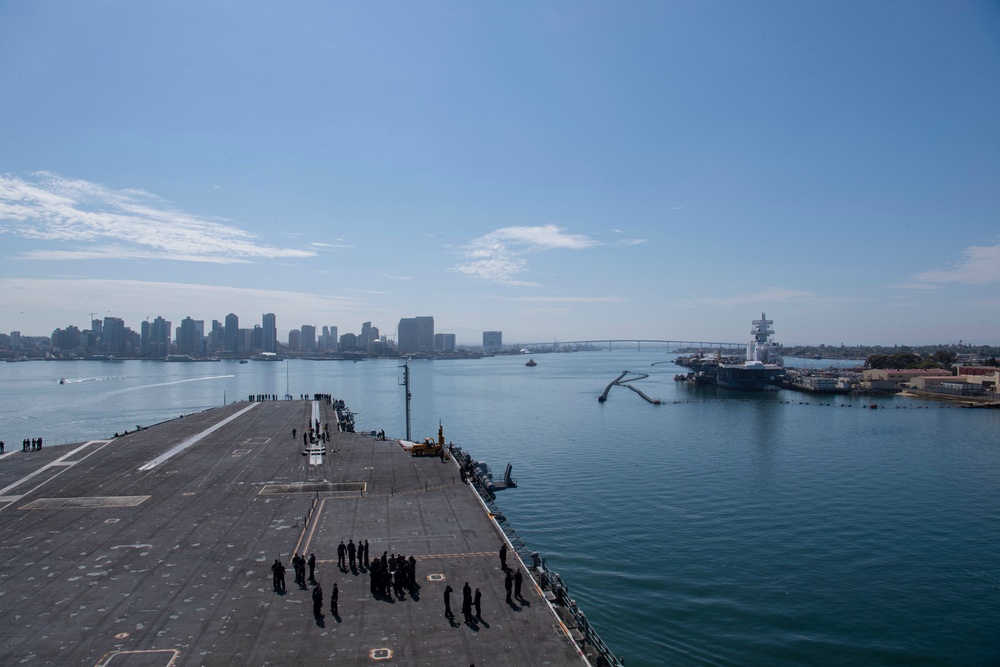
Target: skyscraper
x,y
159,338
113,335
232,333
308,337
416,334
188,340
269,341
492,340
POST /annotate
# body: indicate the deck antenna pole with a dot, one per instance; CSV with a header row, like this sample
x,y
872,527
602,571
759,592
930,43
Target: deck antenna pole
x,y
287,395
406,385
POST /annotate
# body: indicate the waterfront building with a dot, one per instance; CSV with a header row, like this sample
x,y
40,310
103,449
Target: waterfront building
x,y
245,340
492,340
444,342
113,336
159,338
188,338
369,334
294,340
328,341
216,337
416,334
308,338
890,379
349,342
232,333
269,340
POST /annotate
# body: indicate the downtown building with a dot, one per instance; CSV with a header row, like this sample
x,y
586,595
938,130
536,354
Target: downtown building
x,y
416,335
269,334
493,340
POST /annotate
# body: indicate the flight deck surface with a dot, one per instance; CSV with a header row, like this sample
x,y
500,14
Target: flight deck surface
x,y
155,549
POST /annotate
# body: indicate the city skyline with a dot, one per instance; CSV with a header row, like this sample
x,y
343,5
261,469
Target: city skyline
x,y
646,170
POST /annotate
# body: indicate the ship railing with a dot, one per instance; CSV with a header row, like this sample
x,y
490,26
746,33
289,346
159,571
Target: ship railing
x,y
541,575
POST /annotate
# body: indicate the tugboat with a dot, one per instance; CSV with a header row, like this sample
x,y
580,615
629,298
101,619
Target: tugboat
x,y
531,362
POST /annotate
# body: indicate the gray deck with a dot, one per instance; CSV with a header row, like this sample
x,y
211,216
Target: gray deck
x,y
102,563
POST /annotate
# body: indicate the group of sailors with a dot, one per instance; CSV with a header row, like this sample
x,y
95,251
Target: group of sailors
x,y
390,576
27,445
314,434
393,575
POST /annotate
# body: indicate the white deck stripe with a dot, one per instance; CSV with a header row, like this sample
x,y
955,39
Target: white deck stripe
x,y
58,462
195,438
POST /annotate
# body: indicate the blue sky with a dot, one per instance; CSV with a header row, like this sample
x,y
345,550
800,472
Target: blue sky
x,y
555,170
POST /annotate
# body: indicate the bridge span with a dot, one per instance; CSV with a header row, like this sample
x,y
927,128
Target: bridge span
x,y
671,345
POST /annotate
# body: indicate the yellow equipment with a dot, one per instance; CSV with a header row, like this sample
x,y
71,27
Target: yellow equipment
x,y
429,447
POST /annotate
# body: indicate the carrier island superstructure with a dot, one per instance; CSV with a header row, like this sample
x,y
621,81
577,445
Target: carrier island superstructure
x,y
761,368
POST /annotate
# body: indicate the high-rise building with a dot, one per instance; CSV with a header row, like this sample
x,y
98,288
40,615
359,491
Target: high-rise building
x,y
269,341
349,342
294,340
246,340
308,337
444,342
416,334
217,337
492,340
113,335
232,333
144,330
159,338
188,340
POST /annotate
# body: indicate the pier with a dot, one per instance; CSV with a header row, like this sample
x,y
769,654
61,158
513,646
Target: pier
x,y
156,548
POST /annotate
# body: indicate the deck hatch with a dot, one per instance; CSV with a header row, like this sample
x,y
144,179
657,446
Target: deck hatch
x,y
85,503
314,487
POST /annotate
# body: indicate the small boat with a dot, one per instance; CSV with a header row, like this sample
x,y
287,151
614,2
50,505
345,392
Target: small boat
x,y
244,361
531,362
62,381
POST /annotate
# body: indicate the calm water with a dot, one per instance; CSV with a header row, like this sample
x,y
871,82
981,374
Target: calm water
x,y
714,529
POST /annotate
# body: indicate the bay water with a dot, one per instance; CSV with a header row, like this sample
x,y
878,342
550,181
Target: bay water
x,y
716,528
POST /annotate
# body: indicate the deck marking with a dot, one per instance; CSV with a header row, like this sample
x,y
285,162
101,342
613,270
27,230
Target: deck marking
x,y
85,502
54,464
195,438
315,522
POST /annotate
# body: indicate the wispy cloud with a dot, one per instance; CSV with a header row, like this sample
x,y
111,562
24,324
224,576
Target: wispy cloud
x,y
772,295
106,223
500,255
979,265
766,296
562,299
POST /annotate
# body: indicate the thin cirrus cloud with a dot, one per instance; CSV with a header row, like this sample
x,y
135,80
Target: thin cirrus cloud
x,y
769,295
980,265
132,224
499,256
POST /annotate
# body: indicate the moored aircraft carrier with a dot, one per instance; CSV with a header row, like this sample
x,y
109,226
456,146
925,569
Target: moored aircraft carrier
x,y
155,549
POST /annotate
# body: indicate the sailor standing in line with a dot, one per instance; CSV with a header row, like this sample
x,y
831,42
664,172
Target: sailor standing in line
x,y
341,552
508,583
503,556
318,601
447,603
333,600
312,567
517,584
467,602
